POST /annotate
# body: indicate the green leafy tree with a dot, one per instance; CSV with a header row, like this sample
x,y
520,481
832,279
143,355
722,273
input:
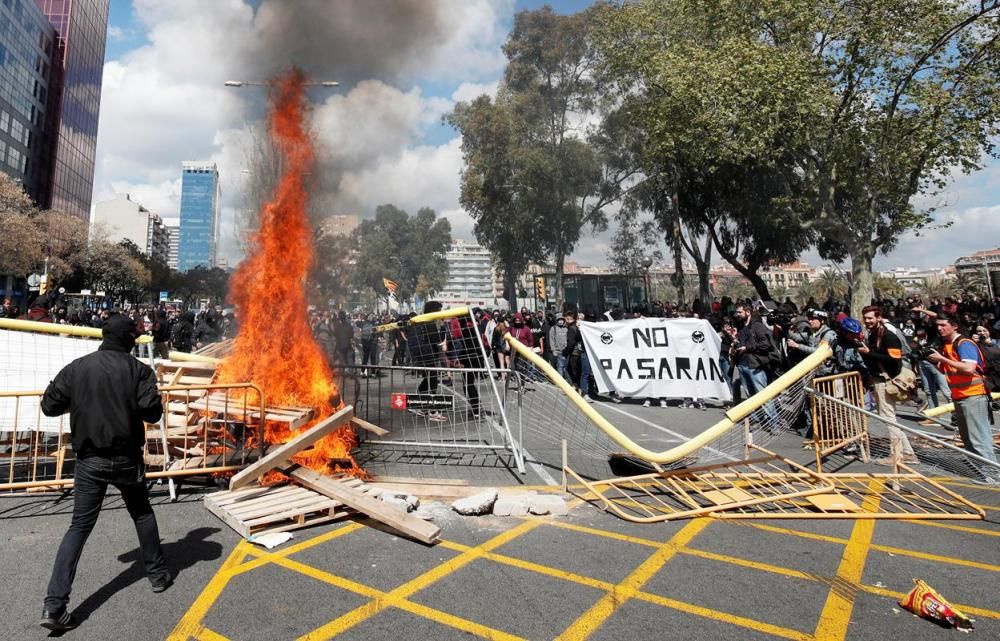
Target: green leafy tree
x,y
402,248
633,244
888,287
493,190
550,85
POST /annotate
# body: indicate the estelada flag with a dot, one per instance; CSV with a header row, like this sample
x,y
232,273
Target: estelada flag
x,y
390,285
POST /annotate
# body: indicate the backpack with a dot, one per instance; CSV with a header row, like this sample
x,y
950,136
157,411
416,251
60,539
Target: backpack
x,y
991,372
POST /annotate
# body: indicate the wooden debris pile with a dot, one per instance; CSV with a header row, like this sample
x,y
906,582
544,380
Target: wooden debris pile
x,y
314,499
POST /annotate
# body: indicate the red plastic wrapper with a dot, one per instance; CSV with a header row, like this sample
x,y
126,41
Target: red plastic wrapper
x,y
925,602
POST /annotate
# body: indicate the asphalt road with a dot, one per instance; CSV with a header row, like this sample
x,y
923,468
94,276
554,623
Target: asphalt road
x,y
585,576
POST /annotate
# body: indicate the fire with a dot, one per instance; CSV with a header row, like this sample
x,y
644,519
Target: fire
x,y
275,347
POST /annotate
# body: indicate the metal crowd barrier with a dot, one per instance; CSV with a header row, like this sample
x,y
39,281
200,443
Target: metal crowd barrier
x,y
205,430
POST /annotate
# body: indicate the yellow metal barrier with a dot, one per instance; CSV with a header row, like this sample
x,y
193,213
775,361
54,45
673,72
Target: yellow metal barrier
x,y
89,332
197,444
424,318
733,416
835,426
950,407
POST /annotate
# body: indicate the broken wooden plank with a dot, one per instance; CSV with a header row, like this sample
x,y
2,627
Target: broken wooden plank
x,y
371,427
353,498
282,453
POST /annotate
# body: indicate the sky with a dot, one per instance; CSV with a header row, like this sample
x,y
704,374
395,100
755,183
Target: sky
x,y
402,64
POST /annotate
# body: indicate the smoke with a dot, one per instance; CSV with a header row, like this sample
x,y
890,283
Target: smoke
x,y
366,46
347,41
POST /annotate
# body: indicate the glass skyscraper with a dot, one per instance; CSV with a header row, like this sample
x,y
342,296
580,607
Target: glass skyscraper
x,y
199,227
81,27
29,70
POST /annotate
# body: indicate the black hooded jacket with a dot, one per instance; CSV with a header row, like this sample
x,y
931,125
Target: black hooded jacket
x,y
108,395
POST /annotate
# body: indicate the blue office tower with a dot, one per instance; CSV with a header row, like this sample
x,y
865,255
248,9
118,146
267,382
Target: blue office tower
x,y
199,228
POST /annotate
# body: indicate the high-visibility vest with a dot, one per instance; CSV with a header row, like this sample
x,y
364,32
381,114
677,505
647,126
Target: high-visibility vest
x,y
963,385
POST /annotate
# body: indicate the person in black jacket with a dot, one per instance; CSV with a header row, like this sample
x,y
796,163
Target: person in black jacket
x,y
752,350
182,333
108,394
883,354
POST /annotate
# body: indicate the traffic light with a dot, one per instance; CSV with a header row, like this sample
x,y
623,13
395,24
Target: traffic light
x,y
540,288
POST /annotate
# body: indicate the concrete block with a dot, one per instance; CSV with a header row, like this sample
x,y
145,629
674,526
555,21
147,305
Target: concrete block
x,y
477,504
548,504
516,505
396,502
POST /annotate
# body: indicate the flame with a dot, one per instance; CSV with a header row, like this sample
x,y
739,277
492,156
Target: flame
x,y
275,347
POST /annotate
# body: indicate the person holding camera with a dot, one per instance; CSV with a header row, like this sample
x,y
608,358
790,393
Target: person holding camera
x,y
883,354
963,363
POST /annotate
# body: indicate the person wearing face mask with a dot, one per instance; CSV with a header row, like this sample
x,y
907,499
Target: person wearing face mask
x,y
108,394
557,336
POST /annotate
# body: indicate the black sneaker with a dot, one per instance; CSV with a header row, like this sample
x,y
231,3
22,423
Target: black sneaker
x,y
160,584
59,621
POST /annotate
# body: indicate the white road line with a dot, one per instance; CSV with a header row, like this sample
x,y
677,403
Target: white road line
x,y
680,437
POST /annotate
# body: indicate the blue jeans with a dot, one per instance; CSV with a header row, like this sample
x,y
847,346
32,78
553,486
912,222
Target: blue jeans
x,y
561,365
91,478
754,380
585,374
972,416
934,381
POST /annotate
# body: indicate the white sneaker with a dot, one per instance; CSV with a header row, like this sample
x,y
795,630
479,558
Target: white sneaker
x,y
587,398
645,403
616,398
663,403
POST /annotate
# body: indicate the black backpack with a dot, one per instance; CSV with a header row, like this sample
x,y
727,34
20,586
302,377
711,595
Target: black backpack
x,y
991,356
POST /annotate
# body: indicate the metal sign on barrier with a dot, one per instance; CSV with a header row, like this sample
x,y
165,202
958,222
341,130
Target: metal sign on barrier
x,y
401,401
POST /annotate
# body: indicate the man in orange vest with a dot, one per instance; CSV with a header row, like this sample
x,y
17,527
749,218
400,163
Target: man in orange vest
x,y
964,366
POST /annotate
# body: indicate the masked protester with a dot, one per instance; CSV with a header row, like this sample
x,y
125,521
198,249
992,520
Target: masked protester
x,y
108,394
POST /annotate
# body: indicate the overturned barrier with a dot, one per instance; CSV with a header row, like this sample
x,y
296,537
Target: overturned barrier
x,y
448,404
725,471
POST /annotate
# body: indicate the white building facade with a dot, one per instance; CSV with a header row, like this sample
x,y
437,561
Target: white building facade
x,y
470,276
122,218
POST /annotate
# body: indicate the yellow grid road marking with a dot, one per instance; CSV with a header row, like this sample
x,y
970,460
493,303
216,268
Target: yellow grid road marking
x,y
958,528
606,534
936,558
210,635
725,617
396,596
415,608
263,558
593,618
836,614
190,624
756,565
969,609
888,549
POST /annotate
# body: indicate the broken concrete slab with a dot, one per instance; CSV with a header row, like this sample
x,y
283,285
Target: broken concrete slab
x,y
511,505
548,504
477,504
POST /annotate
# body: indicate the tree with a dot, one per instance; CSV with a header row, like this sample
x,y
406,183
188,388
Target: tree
x,y
831,283
332,267
806,291
695,83
111,268
492,189
969,284
13,198
404,249
867,115
630,246
550,84
913,106
888,287
20,244
733,287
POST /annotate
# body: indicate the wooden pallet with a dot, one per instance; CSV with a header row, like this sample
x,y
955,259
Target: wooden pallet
x,y
260,510
218,403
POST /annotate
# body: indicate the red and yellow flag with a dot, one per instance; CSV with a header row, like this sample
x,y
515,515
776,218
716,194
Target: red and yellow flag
x,y
390,285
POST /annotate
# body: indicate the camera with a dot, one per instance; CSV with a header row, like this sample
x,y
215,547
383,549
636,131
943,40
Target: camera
x,y
922,352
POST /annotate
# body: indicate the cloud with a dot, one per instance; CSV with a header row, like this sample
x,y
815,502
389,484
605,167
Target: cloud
x,y
164,102
116,33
